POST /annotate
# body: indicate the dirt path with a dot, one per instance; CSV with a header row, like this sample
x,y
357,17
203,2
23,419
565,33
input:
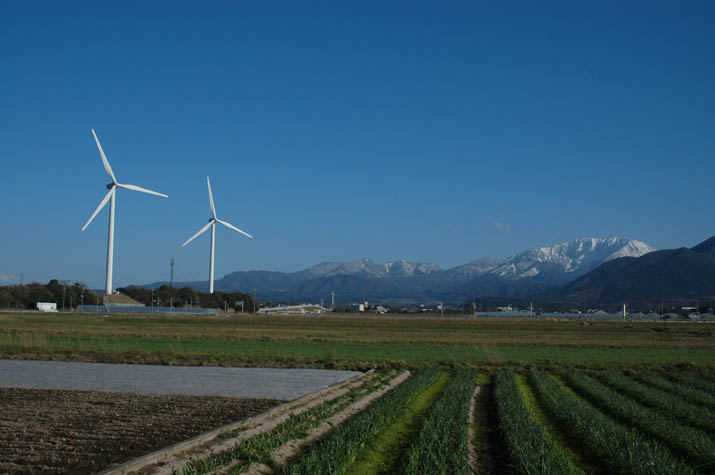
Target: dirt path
x,y
288,451
173,458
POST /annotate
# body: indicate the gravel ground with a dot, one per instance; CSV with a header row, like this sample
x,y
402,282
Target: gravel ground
x,y
270,383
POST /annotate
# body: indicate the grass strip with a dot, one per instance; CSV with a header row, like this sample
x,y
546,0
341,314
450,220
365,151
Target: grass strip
x,y
337,452
383,454
530,450
694,445
187,349
557,437
258,448
665,402
441,445
693,395
623,450
698,381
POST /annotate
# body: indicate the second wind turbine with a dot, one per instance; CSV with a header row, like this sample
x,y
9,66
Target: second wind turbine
x,y
212,224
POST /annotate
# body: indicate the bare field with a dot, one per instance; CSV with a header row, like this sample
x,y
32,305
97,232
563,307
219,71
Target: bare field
x,y
58,431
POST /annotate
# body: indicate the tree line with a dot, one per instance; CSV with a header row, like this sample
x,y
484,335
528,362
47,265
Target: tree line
x,y
167,295
65,294
68,295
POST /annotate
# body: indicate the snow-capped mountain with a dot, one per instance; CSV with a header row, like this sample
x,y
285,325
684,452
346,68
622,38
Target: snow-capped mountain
x,y
532,271
574,257
558,263
366,268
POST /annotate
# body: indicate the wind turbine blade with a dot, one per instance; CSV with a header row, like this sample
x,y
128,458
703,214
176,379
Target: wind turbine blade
x,y
229,225
211,198
104,159
143,190
99,208
197,234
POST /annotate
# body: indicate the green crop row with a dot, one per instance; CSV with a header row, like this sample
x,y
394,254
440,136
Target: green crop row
x,y
336,452
691,443
698,381
690,414
441,446
693,395
623,450
258,448
530,450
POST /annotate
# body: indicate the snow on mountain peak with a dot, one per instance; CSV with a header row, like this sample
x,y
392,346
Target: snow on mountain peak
x,y
365,267
577,256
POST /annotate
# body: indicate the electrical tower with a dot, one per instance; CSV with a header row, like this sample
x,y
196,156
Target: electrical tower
x,y
172,272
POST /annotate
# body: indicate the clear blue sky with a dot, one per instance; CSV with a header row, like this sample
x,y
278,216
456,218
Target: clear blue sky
x,y
342,130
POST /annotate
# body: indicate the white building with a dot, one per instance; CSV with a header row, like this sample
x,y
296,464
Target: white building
x,y
46,307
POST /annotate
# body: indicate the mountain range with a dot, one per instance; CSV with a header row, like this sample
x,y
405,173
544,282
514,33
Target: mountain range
x,y
669,274
534,271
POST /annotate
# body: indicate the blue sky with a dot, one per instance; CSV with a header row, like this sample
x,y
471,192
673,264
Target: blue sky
x,y
430,131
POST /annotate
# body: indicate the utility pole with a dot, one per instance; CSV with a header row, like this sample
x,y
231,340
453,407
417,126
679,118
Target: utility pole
x,y
697,305
254,301
172,272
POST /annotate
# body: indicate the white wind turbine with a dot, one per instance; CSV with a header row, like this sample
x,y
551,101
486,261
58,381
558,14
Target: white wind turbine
x,y
212,223
110,196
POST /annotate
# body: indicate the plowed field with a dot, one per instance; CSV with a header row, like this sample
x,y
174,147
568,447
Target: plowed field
x,y
57,431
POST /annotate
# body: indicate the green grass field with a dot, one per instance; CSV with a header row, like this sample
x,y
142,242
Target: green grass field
x,y
351,341
556,396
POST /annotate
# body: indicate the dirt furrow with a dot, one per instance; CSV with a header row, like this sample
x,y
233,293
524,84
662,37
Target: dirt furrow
x,y
471,433
291,449
173,458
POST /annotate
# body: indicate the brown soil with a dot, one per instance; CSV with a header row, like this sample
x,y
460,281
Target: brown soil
x,y
292,448
256,426
471,433
58,431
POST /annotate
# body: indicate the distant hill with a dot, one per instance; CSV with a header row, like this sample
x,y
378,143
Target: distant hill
x,y
666,274
533,271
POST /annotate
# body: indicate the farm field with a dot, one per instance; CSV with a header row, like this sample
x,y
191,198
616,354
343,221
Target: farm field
x,y
349,342
541,422
447,396
53,431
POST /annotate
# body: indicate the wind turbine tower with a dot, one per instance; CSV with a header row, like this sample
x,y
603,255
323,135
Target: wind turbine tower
x,y
212,224
111,198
